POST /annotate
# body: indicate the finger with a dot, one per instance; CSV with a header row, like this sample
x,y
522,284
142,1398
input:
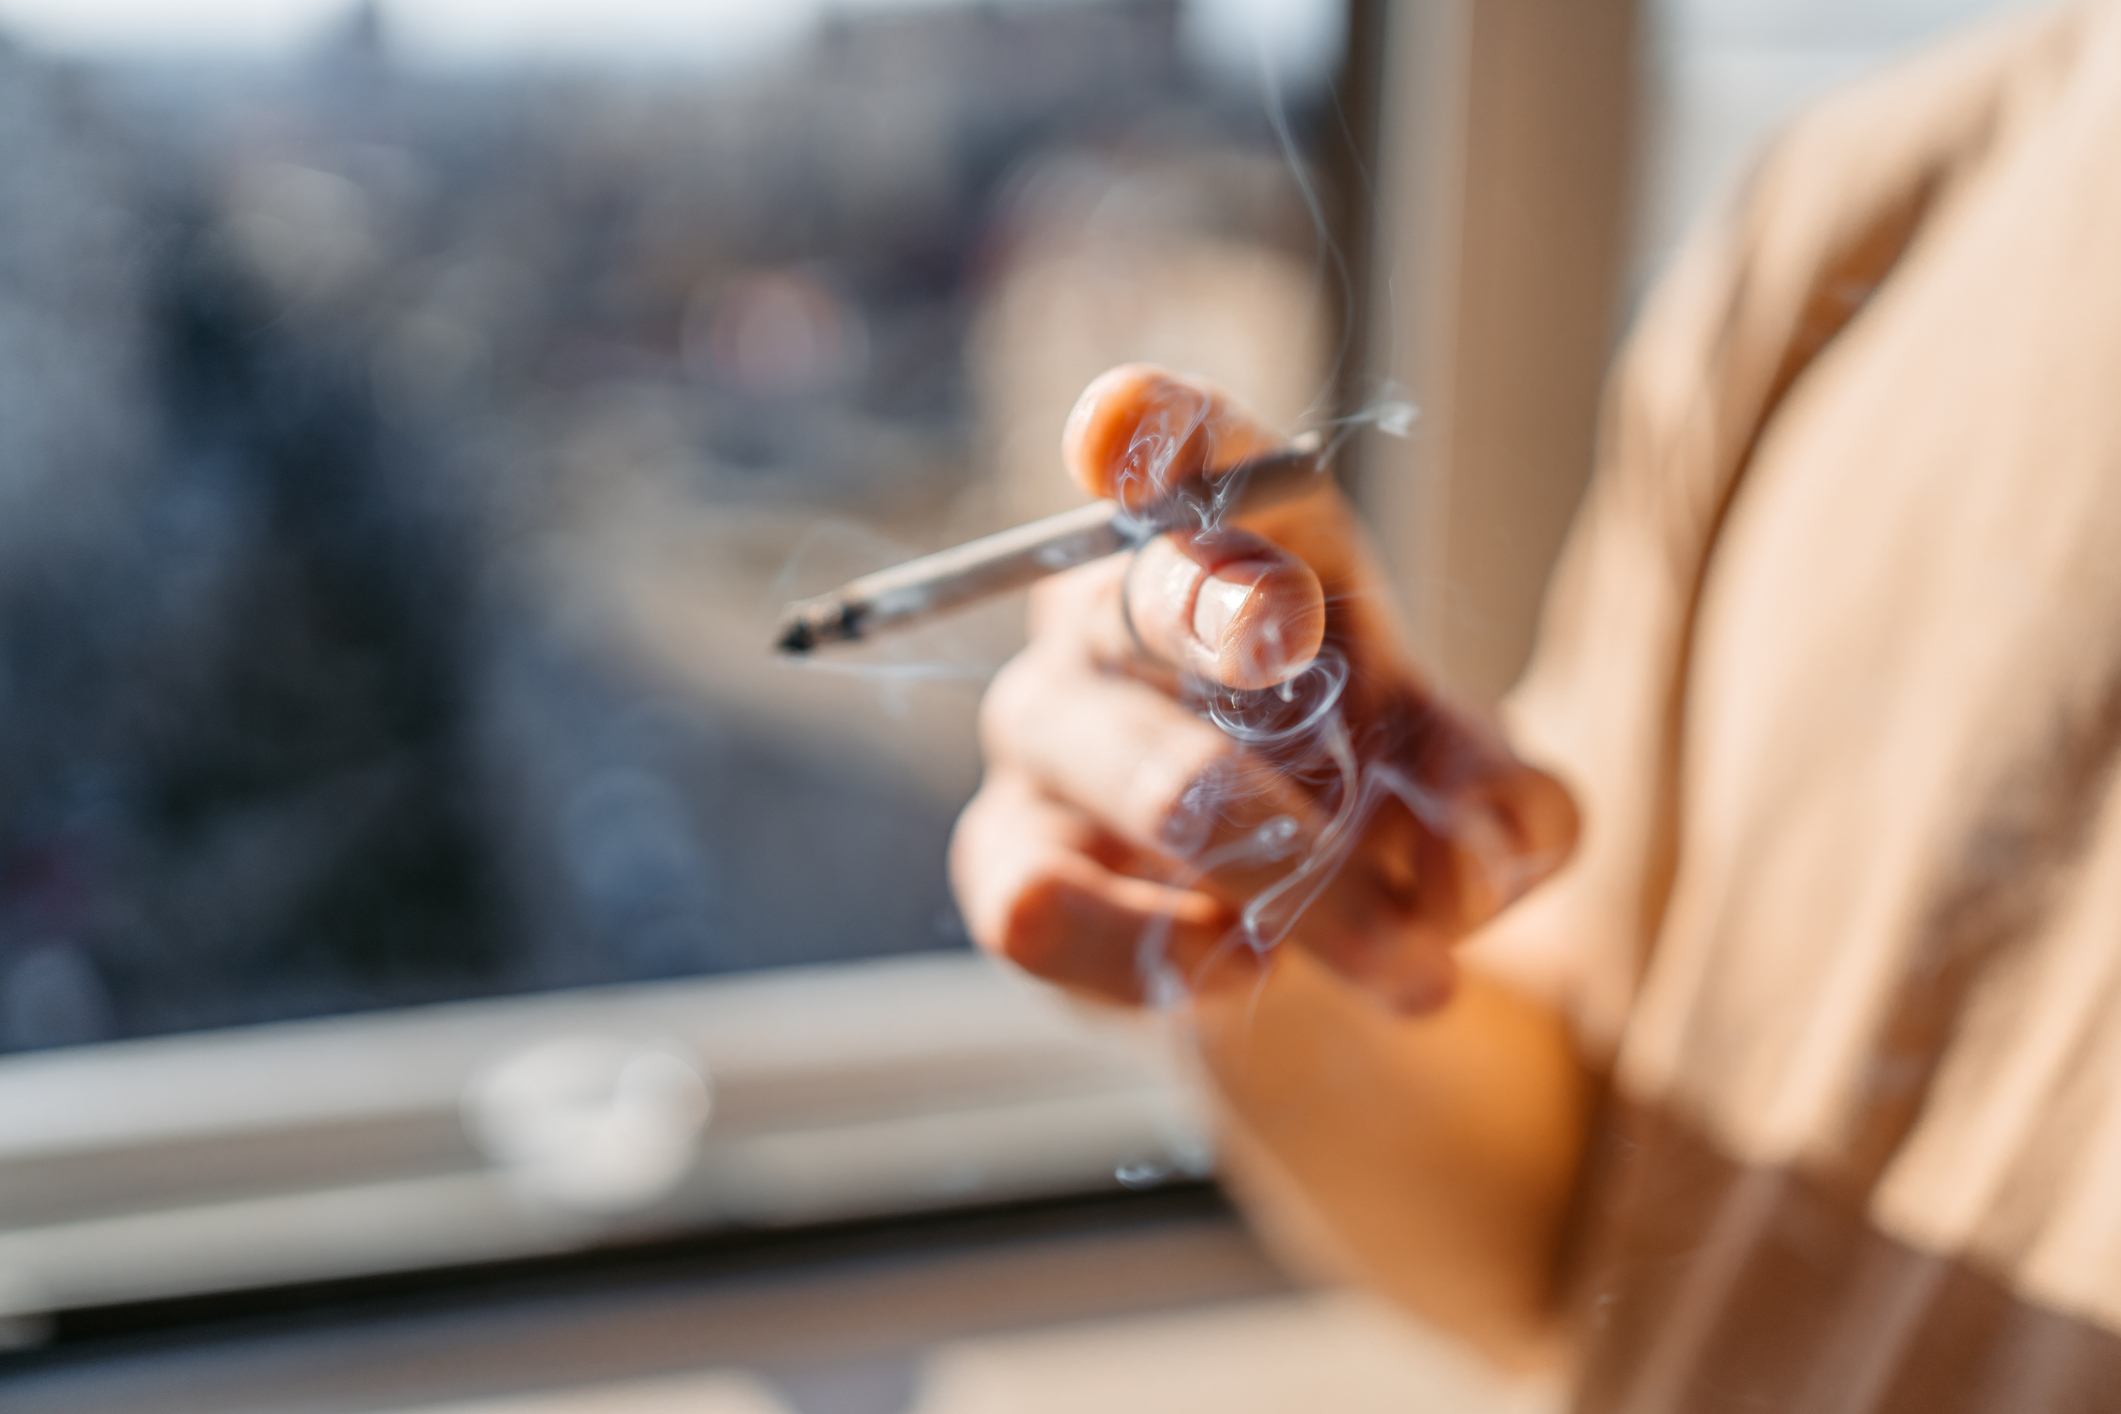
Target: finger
x,y
1145,769
1139,431
1079,614
1509,831
1378,923
1033,891
1225,606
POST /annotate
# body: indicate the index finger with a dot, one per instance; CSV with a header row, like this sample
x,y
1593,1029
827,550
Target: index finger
x,y
1139,432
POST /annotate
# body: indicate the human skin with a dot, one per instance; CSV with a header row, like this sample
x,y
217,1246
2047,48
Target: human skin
x,y
1421,1124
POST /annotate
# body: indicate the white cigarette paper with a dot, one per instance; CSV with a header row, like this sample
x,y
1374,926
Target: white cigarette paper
x,y
935,584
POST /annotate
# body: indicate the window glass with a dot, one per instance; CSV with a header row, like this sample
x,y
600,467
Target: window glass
x,y
411,417
1727,72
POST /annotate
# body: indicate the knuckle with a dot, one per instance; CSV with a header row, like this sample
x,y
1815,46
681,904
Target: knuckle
x,y
1022,920
1060,602
1177,790
1043,612
1029,929
1001,904
1012,704
966,861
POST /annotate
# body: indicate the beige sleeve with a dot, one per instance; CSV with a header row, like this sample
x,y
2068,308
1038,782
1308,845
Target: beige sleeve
x,y
1599,704
1748,308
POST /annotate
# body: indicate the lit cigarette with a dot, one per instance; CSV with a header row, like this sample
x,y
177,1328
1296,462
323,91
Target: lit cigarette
x,y
936,584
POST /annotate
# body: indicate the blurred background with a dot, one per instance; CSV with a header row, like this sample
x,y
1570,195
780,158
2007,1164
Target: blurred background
x,y
411,417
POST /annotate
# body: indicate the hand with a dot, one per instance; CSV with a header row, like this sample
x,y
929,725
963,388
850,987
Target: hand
x,y
1217,747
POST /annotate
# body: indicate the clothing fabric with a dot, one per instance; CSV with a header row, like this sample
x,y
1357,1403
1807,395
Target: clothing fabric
x,y
1833,663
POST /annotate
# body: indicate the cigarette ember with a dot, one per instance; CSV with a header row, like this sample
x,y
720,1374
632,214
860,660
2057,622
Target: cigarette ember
x,y
935,584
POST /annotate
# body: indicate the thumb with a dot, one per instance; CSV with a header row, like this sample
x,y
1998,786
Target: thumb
x,y
1226,605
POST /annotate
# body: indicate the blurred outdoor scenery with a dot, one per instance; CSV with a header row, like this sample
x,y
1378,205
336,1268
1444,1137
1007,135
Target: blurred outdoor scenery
x,y
411,417
403,452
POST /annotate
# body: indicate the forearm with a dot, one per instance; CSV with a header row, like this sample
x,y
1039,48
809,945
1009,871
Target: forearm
x,y
1435,1156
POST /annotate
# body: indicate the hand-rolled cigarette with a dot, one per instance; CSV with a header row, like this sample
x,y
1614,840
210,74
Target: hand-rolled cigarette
x,y
935,584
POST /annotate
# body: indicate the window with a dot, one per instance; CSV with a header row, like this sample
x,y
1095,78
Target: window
x,y
411,417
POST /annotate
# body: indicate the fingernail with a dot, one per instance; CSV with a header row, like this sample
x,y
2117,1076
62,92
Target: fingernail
x,y
1221,597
